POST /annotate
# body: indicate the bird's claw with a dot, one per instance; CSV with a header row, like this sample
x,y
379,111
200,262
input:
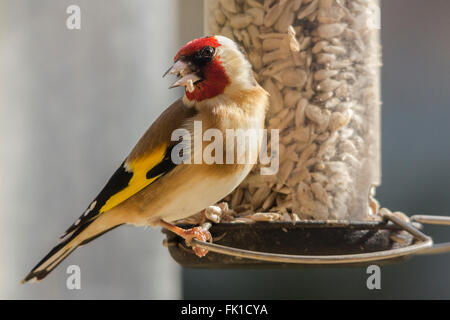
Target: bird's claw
x,y
200,234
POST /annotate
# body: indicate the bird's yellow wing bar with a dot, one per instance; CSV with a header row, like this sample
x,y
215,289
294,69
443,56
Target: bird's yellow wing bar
x,y
130,178
138,180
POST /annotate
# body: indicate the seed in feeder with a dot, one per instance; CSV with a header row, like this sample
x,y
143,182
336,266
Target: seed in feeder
x,y
268,4
274,13
213,213
240,21
330,30
320,193
319,70
308,10
324,58
306,153
229,5
300,113
271,44
338,120
243,220
319,46
324,74
286,19
291,97
269,216
220,17
324,96
294,218
227,31
285,170
259,196
314,113
272,56
269,201
296,4
328,85
330,15
257,14
275,67
293,77
335,49
254,4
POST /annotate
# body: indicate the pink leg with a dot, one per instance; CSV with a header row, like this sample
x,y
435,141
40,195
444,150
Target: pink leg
x,y
189,234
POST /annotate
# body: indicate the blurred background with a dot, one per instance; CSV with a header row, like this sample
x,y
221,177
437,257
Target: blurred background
x,y
73,103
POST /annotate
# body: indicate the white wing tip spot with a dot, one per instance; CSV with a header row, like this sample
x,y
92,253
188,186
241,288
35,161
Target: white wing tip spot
x,y
91,207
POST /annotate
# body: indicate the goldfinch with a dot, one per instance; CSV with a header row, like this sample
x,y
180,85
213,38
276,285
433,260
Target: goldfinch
x,y
150,188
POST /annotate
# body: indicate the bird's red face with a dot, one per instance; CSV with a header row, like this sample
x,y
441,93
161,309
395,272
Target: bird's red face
x,y
200,70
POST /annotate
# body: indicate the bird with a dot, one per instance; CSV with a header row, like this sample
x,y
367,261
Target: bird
x,y
151,187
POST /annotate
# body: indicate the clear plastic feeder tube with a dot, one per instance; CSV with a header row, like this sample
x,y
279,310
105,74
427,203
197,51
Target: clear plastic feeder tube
x,y
320,62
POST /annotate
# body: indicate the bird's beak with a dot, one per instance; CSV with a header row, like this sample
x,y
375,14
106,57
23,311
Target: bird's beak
x,y
186,76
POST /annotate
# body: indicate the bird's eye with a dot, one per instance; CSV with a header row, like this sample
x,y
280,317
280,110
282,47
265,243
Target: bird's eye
x,y
207,52
203,56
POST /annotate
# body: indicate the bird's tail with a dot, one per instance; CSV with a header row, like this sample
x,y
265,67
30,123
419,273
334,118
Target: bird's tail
x,y
80,236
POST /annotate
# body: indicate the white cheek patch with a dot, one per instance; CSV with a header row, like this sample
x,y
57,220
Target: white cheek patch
x,y
234,61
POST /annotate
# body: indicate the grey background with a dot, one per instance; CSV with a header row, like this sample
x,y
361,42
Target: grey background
x,y
73,103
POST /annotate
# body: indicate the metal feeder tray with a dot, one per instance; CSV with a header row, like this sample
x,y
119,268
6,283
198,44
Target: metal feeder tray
x,y
308,243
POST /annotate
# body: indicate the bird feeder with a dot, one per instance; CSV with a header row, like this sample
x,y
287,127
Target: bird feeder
x,y
320,62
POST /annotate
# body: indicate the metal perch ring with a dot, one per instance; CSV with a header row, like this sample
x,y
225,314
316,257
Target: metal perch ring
x,y
423,246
